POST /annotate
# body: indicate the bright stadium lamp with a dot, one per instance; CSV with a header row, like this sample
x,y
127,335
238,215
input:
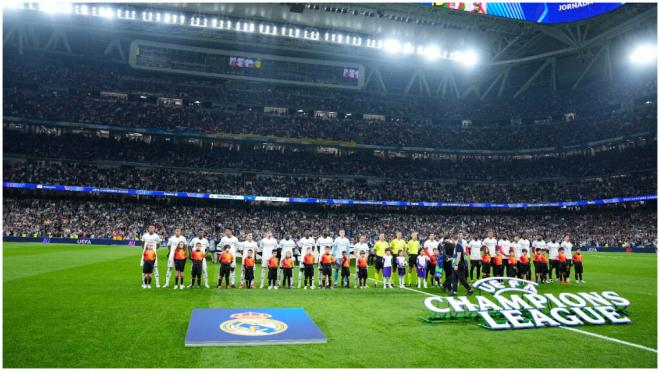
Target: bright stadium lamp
x,y
431,52
12,5
408,48
106,12
66,8
391,46
643,54
48,7
468,58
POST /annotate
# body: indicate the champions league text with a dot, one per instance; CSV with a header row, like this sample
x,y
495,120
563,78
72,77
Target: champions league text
x,y
533,310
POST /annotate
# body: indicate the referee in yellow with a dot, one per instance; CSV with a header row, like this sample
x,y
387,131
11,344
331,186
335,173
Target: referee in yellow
x,y
413,249
379,249
396,245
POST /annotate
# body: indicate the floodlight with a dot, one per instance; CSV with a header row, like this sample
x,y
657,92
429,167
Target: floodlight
x,y
643,54
468,58
48,7
12,5
431,52
392,46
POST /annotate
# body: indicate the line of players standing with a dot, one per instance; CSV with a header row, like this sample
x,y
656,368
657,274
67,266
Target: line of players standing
x,y
434,259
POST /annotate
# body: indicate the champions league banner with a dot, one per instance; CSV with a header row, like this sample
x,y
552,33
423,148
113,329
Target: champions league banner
x,y
329,201
537,12
251,326
514,303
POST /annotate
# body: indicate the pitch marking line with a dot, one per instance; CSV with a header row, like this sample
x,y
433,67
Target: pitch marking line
x,y
566,328
610,339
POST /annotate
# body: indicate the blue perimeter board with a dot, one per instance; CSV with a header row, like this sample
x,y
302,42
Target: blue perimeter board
x,y
284,326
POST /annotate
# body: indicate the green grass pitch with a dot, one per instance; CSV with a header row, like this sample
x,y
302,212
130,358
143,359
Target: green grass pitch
x,y
82,306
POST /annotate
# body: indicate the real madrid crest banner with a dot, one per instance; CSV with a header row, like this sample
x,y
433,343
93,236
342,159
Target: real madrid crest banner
x,y
251,326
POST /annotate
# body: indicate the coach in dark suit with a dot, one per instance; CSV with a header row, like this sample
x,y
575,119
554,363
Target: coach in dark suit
x,y
448,247
459,267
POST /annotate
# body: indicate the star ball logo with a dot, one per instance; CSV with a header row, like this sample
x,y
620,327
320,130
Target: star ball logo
x,y
516,304
253,324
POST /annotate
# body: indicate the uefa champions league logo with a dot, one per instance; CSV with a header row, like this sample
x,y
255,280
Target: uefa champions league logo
x,y
517,304
253,324
500,285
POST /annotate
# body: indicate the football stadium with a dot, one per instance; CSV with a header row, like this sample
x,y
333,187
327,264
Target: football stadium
x,y
329,185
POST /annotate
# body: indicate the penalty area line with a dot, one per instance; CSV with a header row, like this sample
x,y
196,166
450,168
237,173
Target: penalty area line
x,y
603,337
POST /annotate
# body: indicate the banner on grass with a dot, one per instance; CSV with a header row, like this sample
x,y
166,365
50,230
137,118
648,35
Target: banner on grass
x,y
251,326
516,304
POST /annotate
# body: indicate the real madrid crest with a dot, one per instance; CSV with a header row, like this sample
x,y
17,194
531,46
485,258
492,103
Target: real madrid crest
x,y
253,324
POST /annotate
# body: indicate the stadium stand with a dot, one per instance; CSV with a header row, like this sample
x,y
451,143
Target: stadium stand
x,y
85,119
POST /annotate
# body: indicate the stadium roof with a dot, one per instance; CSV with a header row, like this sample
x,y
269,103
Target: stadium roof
x,y
512,55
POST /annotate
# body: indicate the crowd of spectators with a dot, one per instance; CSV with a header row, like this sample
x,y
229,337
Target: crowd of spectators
x,y
200,181
90,219
396,132
101,75
254,158
47,89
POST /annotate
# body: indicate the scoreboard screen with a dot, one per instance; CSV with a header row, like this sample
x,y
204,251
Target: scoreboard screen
x,y
230,64
536,12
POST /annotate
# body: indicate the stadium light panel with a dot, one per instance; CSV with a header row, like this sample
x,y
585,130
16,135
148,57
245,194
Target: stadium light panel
x,y
431,52
408,48
643,54
106,13
12,5
48,7
391,46
468,58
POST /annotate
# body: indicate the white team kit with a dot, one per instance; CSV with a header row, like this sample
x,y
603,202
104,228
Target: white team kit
x,y
268,245
306,243
233,248
553,250
568,247
491,245
429,245
172,243
357,249
287,246
475,249
505,246
538,245
245,246
153,240
205,247
523,244
322,243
